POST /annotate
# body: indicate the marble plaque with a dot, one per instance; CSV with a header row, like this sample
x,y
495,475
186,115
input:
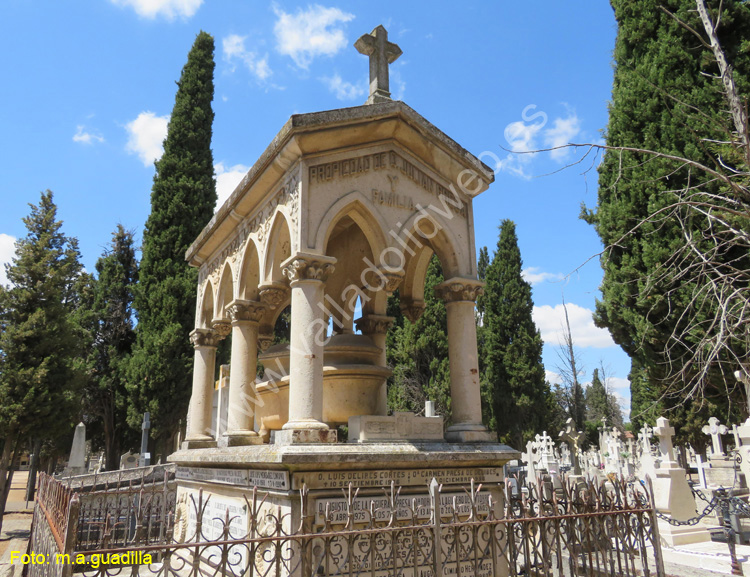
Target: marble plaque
x,y
263,479
401,477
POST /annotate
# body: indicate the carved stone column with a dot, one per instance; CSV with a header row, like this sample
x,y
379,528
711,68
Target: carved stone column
x,y
459,295
307,275
198,433
245,317
376,327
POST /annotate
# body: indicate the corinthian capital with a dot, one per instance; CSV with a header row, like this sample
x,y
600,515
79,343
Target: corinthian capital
x,y
308,267
459,289
374,324
273,295
242,310
204,338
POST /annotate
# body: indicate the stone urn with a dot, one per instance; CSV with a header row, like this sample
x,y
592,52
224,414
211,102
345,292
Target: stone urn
x,y
352,380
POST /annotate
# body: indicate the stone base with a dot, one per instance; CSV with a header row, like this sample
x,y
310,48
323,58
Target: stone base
x,y
304,436
481,436
207,443
399,427
673,536
241,438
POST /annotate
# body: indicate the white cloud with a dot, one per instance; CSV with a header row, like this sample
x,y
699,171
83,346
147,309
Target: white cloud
x,y
227,179
146,136
534,275
527,135
170,9
86,137
310,33
552,378
342,89
7,252
563,131
618,383
550,321
234,49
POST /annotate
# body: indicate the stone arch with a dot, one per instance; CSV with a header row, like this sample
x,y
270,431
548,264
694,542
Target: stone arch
x,y
224,292
278,248
206,311
355,206
249,277
424,228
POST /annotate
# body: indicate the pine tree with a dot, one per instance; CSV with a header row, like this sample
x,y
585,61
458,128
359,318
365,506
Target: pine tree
x,y
662,100
183,198
39,340
513,346
113,336
419,355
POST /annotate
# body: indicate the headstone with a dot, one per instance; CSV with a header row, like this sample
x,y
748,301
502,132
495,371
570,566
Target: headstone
x,y
716,430
77,460
672,494
129,460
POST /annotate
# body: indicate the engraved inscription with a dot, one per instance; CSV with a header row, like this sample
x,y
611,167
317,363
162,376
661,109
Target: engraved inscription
x,y
401,477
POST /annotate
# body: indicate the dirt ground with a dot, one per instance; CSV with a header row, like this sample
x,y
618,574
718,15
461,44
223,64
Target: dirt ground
x,y
17,518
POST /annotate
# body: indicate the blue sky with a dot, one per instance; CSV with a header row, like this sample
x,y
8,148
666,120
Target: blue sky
x,y
89,86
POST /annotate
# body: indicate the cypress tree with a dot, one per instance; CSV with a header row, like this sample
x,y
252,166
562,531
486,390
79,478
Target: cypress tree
x,y
113,336
662,100
419,354
597,400
39,340
513,346
183,198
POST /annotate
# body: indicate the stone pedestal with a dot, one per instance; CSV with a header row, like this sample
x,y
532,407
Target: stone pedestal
x,y
227,476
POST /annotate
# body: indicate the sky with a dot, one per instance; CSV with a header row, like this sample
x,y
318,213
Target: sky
x,y
89,86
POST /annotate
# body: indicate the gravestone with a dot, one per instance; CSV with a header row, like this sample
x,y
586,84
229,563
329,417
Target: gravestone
x,y
129,460
340,200
720,472
672,494
77,460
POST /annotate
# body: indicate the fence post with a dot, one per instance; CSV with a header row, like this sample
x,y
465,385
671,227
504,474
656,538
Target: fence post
x,y
658,560
71,534
437,538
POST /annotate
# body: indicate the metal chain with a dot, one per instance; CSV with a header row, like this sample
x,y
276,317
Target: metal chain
x,y
693,520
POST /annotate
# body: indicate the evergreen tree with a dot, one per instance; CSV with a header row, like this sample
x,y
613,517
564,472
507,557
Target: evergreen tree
x,y
113,336
39,340
597,401
662,100
419,355
183,198
513,346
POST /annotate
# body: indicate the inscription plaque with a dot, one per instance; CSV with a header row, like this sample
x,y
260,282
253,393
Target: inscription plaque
x,y
261,478
401,477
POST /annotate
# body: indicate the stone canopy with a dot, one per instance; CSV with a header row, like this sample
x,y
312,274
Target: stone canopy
x,y
342,208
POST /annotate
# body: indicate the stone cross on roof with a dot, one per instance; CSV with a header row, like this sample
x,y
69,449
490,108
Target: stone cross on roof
x,y
716,430
381,53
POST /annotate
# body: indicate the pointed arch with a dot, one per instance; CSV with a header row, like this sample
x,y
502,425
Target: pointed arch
x,y
224,292
356,206
278,248
249,277
424,228
206,306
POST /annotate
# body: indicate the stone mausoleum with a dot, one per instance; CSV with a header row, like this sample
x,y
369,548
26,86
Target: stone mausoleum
x,y
343,208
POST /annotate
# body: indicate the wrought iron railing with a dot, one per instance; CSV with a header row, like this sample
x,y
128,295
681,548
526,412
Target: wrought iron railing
x,y
569,530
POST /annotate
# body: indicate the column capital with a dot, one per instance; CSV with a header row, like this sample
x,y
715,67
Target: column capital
x,y
374,324
204,338
273,294
265,340
245,311
412,310
305,266
459,289
393,279
222,327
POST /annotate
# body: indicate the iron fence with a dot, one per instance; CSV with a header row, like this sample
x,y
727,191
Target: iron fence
x,y
569,530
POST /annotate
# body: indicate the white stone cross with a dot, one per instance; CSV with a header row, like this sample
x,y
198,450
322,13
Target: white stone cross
x,y
715,429
381,53
665,433
528,458
645,438
736,434
545,443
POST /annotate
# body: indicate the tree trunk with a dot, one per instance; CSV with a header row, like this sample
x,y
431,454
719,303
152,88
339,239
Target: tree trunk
x,y
33,468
